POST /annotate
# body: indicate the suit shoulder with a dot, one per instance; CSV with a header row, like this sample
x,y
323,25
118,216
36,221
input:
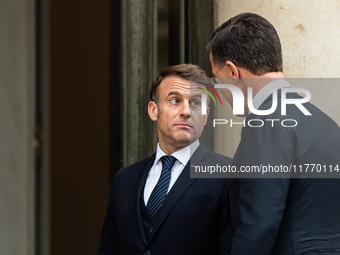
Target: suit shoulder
x,y
131,169
219,158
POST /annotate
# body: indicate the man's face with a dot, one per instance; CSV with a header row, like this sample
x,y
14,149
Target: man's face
x,y
178,113
219,72
227,72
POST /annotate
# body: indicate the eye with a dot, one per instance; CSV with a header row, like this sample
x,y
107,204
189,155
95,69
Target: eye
x,y
174,101
195,102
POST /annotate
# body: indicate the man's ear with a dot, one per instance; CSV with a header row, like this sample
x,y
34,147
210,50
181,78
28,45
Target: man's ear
x,y
153,110
233,70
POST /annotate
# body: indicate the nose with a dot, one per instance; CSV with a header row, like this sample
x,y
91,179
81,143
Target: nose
x,y
185,110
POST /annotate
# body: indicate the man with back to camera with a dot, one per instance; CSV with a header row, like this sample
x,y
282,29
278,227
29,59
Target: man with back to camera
x,y
276,215
191,218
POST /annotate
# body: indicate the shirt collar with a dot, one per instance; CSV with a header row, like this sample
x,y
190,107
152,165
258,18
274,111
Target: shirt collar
x,y
183,155
267,90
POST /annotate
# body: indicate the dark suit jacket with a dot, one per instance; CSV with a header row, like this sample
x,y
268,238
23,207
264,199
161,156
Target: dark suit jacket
x,y
285,216
192,219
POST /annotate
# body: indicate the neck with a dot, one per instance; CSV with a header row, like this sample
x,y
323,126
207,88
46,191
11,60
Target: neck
x,y
168,149
258,82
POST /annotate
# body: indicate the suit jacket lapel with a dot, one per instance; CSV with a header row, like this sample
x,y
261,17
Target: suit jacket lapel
x,y
181,185
135,197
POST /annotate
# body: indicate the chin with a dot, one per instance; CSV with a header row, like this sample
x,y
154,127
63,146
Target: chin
x,y
183,140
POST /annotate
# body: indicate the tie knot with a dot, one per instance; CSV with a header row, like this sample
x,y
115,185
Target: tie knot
x,y
168,161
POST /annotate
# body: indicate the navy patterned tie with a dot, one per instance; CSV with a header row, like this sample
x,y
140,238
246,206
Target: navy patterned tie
x,y
159,192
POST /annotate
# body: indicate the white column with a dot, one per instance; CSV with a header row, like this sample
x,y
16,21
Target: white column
x,y
17,88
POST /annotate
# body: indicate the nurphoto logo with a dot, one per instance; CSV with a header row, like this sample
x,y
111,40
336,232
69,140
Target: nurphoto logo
x,y
238,107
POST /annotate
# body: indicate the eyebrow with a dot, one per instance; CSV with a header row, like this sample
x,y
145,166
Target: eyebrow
x,y
196,94
173,93
193,94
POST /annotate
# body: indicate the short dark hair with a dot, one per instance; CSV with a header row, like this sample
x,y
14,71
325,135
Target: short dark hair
x,y
184,71
249,41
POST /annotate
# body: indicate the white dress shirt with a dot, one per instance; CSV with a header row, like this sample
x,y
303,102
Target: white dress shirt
x,y
182,157
267,90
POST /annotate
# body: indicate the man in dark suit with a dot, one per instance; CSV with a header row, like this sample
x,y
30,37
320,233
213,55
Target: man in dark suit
x,y
291,212
155,207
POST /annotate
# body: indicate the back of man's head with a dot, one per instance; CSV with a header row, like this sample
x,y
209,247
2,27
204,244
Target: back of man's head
x,y
249,41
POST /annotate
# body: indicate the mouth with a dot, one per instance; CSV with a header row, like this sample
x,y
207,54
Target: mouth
x,y
183,125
